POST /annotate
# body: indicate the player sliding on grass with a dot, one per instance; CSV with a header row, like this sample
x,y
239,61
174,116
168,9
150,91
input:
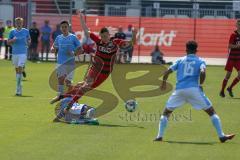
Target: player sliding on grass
x,y
102,62
78,113
189,69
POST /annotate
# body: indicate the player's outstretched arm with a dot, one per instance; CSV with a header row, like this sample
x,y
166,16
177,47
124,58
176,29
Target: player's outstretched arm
x,y
134,37
54,48
132,41
202,76
165,77
83,23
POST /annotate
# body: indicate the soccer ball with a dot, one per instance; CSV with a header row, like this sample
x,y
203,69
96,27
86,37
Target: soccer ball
x,y
131,105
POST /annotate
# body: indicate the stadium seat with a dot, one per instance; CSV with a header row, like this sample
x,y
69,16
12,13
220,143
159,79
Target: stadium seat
x,y
222,17
208,17
182,16
169,16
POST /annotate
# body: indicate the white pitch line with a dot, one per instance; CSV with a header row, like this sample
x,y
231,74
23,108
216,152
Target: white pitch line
x,y
13,97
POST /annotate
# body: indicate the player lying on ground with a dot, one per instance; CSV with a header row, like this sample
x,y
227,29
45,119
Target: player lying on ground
x,y
102,62
78,113
189,69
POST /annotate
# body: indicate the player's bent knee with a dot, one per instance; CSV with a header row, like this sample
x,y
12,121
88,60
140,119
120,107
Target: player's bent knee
x,y
61,79
68,83
19,70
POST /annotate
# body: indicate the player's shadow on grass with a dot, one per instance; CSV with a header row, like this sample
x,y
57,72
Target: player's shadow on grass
x,y
236,98
117,125
106,125
23,96
195,143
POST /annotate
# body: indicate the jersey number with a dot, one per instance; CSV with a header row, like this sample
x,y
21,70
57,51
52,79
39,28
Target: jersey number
x,y
188,68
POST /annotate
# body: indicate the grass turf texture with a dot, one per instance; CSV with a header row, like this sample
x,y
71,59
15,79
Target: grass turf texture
x,y
27,131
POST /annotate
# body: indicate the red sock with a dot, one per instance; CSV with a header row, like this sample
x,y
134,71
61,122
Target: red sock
x,y
75,92
235,81
224,84
78,94
72,91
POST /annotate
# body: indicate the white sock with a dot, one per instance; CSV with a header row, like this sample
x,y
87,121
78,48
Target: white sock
x,y
217,124
19,83
60,89
162,125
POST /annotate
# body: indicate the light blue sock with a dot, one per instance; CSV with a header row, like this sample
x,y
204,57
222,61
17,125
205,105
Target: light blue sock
x,y
217,124
60,89
162,125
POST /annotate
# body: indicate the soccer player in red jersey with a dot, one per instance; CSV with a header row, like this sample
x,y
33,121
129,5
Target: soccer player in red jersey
x,y
233,61
102,62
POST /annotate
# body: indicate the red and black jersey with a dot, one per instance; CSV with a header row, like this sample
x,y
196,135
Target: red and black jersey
x,y
106,52
234,54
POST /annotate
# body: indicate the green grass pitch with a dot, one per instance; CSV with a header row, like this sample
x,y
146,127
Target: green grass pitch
x,y
27,131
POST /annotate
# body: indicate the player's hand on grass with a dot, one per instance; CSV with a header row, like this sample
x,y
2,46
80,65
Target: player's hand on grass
x,y
66,110
69,105
164,85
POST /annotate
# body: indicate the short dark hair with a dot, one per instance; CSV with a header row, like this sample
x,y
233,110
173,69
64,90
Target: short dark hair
x,y
191,46
103,30
65,22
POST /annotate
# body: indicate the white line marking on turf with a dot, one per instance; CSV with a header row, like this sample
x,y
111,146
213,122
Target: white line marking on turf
x,y
25,98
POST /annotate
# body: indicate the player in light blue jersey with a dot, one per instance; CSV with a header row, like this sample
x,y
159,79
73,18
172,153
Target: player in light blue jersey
x,y
66,46
191,73
20,39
